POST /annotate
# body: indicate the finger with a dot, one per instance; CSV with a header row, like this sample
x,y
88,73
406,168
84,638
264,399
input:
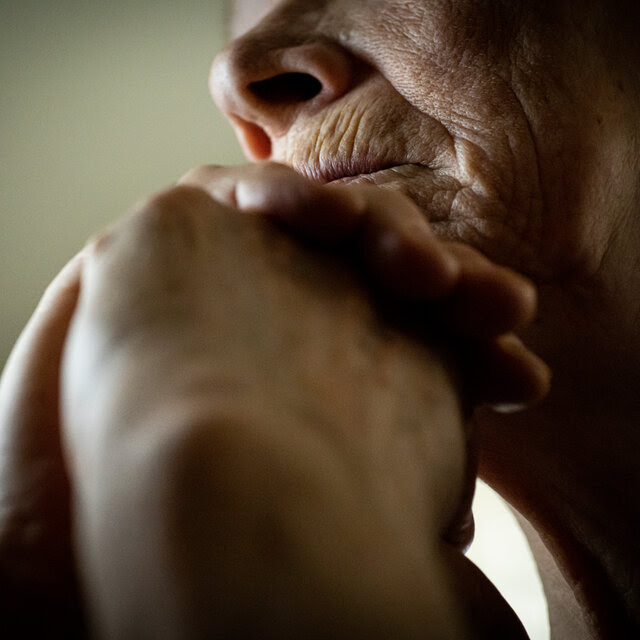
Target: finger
x,y
489,299
326,216
218,181
36,560
507,376
387,230
399,248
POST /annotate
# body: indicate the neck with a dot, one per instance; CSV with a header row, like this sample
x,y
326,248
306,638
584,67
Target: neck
x,y
570,465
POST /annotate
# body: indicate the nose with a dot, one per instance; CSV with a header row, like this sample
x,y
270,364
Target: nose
x,y
263,84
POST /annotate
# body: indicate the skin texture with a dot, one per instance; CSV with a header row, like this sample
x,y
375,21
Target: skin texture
x,y
339,517
512,130
519,122
194,474
404,84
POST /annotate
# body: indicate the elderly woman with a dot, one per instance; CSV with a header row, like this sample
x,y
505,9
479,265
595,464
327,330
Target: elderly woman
x,y
275,383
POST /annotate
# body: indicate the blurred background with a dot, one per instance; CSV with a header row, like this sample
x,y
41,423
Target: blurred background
x,y
103,103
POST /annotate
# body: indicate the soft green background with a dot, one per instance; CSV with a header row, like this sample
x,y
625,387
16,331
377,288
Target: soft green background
x,y
101,103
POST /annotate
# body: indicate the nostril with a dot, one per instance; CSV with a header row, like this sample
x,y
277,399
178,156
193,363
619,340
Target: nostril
x,y
286,88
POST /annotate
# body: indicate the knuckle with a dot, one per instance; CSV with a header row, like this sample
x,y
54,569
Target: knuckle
x,y
99,243
201,175
160,231
172,226
180,212
172,207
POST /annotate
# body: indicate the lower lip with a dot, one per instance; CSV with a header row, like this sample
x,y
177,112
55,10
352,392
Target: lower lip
x,y
371,178
350,179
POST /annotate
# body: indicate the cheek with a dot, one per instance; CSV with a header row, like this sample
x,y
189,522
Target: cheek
x,y
445,58
459,83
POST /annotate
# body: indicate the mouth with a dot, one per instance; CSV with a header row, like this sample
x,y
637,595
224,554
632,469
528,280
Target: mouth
x,y
377,176
346,171
428,185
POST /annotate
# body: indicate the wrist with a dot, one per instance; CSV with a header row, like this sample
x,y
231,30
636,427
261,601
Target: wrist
x,y
231,526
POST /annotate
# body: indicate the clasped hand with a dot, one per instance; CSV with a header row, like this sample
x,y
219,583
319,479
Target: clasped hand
x,y
232,327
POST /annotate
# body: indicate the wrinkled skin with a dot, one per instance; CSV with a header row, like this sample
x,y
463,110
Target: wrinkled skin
x,y
185,305
501,143
514,127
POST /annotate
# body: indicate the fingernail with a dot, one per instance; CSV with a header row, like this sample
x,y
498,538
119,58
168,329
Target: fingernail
x,y
507,408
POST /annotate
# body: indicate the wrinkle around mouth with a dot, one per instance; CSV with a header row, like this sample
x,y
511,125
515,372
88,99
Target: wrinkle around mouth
x,y
430,188
339,171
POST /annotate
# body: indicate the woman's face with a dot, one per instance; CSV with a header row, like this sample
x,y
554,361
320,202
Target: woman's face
x,y
506,125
